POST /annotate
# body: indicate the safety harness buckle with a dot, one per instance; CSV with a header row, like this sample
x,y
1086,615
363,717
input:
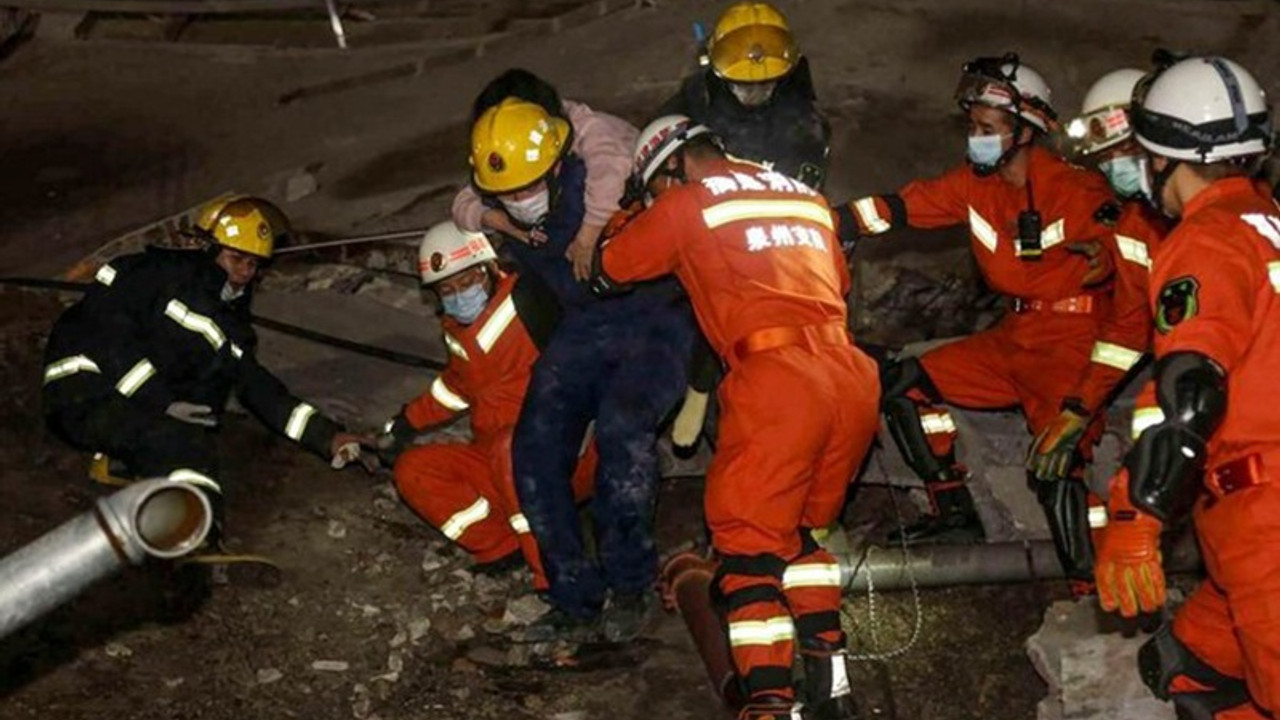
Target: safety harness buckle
x,y
1075,305
1239,474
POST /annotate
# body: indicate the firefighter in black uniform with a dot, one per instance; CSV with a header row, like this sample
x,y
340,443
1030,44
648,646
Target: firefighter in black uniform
x,y
141,368
756,94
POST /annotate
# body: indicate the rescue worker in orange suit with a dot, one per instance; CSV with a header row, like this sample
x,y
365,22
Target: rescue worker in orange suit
x,y
757,253
494,324
141,369
1104,133
756,93
1035,238
1206,425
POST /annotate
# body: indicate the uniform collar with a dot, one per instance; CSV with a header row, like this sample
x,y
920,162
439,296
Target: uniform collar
x,y
1217,190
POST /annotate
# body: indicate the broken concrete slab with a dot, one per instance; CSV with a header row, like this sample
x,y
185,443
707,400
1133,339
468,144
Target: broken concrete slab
x,y
1092,675
357,389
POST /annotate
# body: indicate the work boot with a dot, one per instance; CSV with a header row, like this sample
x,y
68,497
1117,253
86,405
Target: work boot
x,y
772,708
625,616
954,522
559,626
826,683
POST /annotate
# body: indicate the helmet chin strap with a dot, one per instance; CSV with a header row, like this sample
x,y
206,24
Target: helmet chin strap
x,y
1159,179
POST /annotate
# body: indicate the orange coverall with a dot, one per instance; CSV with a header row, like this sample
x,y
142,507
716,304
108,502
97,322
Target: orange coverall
x,y
467,489
1062,339
1215,290
767,279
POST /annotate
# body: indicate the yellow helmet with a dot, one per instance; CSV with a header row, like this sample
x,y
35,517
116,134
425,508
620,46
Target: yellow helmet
x,y
514,144
247,224
752,43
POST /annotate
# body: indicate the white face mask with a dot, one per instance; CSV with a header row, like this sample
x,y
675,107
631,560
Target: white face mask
x,y
752,94
531,210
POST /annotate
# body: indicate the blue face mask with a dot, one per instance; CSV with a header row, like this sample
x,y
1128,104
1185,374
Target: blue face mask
x,y
466,306
984,151
1126,174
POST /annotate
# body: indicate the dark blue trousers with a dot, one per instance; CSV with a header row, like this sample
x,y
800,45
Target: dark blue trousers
x,y
622,362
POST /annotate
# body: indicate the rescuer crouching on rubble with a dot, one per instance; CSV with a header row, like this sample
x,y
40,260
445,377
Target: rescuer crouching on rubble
x,y
1068,337
494,325
140,370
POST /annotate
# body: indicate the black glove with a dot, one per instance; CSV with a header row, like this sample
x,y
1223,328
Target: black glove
x,y
847,228
397,434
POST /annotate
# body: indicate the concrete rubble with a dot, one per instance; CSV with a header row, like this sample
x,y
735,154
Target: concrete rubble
x,y
1092,673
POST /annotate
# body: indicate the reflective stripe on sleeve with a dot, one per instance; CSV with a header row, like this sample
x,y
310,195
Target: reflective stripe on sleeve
x,y
1273,273
736,210
1133,250
105,275
236,352
298,419
1116,356
811,575
458,524
519,523
69,366
187,475
177,311
869,214
761,632
447,397
496,324
1144,418
137,376
1097,516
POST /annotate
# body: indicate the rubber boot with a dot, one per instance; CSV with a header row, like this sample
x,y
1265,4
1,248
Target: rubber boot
x,y
828,695
954,520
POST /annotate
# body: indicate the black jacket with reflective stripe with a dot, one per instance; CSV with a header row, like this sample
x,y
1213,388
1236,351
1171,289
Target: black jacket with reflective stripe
x,y
788,131
154,328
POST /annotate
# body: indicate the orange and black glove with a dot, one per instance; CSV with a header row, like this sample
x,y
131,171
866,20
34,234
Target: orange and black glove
x,y
1054,449
1128,567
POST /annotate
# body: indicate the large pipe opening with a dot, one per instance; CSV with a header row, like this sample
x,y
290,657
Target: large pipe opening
x,y
172,520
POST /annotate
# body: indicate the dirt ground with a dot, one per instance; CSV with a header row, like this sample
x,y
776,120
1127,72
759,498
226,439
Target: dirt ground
x,y
368,585
377,616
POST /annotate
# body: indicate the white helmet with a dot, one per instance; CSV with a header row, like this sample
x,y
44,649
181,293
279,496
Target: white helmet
x,y
659,139
1203,110
446,250
1104,116
1006,84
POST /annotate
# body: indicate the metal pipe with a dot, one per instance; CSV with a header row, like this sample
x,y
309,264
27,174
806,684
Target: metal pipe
x,y
943,565
150,518
415,234
686,586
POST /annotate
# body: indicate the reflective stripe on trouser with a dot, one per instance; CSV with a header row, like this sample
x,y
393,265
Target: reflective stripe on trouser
x,y
500,456
626,367
451,486
796,424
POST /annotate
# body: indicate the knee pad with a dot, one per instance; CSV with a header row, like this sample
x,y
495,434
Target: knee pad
x,y
1164,658
898,377
902,415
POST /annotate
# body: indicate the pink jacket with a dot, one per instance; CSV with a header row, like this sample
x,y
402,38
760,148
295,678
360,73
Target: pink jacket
x,y
604,142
